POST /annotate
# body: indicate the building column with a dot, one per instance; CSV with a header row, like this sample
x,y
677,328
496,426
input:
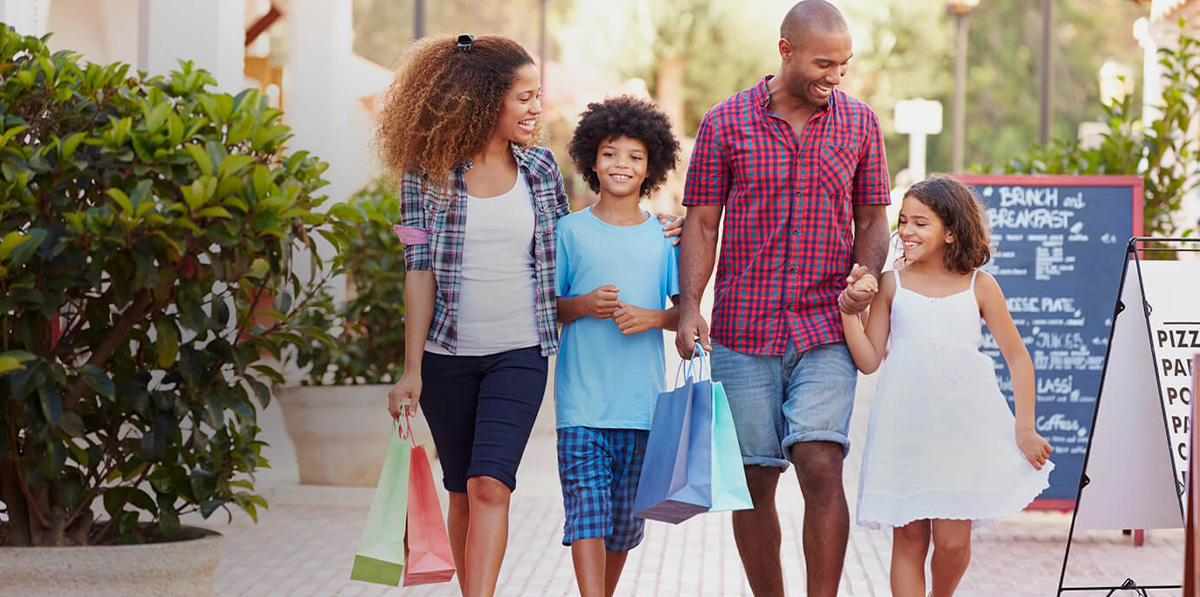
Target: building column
x,y
317,105
211,34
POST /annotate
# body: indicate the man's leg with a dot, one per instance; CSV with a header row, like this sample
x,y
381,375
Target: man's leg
x,y
818,404
757,533
826,514
754,385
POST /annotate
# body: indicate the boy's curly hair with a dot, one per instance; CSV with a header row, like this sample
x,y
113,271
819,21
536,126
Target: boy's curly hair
x,y
963,214
625,116
443,105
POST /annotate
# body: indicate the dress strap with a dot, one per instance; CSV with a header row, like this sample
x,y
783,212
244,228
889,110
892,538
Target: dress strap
x,y
973,274
897,272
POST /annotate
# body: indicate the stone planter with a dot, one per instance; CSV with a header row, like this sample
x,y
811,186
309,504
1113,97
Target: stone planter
x,y
182,568
340,432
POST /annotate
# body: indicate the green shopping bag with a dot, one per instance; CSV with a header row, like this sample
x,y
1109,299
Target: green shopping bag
x,y
380,556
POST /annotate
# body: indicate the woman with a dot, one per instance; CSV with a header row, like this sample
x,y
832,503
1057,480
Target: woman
x,y
479,202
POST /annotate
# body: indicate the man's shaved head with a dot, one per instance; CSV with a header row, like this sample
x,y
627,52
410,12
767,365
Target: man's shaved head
x,y
808,16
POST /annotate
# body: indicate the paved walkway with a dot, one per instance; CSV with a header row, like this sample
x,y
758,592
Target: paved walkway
x,y
304,544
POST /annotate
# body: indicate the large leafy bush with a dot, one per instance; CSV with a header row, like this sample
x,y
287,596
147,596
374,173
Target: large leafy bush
x,y
146,289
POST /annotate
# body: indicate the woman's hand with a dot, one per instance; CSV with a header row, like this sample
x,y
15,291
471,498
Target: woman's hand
x,y
1035,447
405,394
672,226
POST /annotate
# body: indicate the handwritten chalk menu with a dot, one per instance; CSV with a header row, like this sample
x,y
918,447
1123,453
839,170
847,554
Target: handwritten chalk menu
x,y
1059,247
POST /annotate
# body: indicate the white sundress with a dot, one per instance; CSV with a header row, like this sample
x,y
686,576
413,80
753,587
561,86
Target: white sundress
x,y
940,441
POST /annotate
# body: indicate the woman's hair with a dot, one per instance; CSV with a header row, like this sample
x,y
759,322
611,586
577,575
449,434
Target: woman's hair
x,y
444,103
963,215
625,117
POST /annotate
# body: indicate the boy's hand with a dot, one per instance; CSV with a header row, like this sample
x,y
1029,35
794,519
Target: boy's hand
x,y
1035,448
602,302
632,319
672,226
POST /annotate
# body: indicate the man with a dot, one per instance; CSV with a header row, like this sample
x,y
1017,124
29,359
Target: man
x,y
798,167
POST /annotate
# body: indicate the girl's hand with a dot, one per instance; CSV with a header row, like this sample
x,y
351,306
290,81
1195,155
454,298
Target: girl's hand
x,y
405,394
1035,447
602,302
861,288
672,226
634,320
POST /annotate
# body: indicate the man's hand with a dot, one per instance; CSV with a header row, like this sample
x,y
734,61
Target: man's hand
x,y
672,226
602,302
858,295
632,319
692,329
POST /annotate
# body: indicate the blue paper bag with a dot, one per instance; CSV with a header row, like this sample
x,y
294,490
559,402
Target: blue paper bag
x,y
729,490
676,479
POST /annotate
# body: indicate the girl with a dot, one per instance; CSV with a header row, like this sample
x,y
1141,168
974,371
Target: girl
x,y
479,202
943,451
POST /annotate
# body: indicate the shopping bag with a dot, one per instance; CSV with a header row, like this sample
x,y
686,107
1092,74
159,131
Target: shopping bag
x,y
380,555
676,478
429,558
729,490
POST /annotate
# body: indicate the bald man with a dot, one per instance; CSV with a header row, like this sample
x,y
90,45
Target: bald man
x,y
797,167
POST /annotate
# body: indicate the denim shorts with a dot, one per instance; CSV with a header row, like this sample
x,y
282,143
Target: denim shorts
x,y
599,471
778,401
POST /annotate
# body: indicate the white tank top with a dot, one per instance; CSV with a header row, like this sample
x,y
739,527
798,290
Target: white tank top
x,y
496,310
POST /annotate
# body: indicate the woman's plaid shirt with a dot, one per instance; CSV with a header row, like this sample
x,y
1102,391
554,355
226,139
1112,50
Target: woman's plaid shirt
x,y
433,231
787,239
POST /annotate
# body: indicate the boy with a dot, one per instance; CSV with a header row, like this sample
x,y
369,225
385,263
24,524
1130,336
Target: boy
x,y
615,274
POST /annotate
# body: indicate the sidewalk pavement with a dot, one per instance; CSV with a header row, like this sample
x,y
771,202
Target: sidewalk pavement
x,y
304,544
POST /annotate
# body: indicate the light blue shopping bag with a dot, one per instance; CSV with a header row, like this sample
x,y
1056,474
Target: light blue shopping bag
x,y
729,490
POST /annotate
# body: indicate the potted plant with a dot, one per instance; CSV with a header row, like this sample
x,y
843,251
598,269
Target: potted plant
x,y
141,219
332,415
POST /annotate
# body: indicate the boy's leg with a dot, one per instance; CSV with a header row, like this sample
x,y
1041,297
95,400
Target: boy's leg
x,y
910,545
583,469
754,385
951,554
628,447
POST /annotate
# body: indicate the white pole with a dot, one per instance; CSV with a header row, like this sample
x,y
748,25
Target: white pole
x,y
916,156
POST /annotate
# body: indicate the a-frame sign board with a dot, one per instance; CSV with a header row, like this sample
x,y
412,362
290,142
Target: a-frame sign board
x,y
1134,472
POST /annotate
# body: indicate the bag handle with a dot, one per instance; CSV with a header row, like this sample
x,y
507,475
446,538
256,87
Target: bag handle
x,y
405,430
693,369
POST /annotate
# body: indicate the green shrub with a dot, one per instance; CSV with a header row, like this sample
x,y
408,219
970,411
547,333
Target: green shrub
x,y
366,330
141,221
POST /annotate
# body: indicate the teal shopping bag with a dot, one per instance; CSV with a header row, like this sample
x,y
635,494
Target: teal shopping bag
x,y
380,555
729,490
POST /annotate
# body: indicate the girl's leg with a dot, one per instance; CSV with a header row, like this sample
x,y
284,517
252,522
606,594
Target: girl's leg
x,y
951,554
910,544
589,559
614,562
457,520
510,394
487,535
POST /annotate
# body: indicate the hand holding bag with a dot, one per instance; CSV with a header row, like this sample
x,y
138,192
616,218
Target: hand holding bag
x,y
380,555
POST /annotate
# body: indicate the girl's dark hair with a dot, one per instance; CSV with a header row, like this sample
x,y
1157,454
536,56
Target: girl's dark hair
x,y
625,116
963,214
444,103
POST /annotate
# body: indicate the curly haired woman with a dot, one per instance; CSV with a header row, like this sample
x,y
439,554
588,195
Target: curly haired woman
x,y
479,202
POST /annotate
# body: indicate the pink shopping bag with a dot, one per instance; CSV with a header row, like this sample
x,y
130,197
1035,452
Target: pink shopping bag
x,y
428,559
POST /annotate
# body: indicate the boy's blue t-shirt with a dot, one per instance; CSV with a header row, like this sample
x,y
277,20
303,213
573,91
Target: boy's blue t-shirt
x,y
605,379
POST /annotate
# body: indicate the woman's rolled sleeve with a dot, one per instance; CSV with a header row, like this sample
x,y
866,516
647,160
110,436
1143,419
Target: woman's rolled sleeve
x,y
413,228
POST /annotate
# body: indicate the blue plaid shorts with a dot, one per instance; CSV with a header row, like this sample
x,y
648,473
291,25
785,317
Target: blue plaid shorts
x,y
599,471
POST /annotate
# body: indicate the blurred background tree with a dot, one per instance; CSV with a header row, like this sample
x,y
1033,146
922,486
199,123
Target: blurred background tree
x,y
694,53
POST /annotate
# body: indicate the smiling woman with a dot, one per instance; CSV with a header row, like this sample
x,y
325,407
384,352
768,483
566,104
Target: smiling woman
x,y
479,203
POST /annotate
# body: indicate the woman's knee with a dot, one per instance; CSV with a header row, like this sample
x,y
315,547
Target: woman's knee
x,y
487,491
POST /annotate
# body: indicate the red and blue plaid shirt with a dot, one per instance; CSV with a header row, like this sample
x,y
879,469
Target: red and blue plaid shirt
x,y
787,239
433,230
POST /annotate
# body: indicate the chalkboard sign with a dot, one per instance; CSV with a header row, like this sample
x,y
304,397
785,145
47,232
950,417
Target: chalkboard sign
x,y
1060,247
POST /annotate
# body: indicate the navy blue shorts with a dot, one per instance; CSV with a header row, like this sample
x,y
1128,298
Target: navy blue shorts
x,y
480,411
599,470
